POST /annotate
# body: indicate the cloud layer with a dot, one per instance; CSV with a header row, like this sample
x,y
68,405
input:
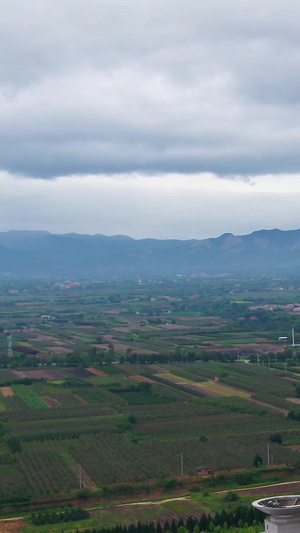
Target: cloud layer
x,y
159,86
197,206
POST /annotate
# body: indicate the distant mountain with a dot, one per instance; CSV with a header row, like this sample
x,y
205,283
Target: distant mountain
x,y
39,253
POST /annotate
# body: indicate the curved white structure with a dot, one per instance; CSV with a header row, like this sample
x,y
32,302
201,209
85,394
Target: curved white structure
x,y
283,513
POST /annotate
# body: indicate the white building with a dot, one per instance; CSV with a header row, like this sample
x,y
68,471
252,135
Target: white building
x,y
283,513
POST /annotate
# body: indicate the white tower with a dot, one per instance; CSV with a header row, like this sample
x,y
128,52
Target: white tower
x,y
283,513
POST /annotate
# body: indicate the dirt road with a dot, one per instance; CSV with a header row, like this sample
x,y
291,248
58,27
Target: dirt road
x,y
12,525
288,487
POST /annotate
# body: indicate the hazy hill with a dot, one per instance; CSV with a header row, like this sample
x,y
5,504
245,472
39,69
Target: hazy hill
x,y
42,253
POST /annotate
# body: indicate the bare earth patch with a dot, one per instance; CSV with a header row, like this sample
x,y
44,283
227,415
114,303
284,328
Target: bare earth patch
x,y
82,400
42,338
294,400
96,372
51,402
157,368
6,391
141,379
59,349
175,326
38,374
12,525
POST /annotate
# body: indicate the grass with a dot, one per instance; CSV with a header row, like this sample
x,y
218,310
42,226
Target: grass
x,y
62,526
210,386
221,390
27,394
2,405
178,378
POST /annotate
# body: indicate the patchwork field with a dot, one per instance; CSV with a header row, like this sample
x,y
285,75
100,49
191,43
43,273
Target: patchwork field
x,y
211,388
132,430
135,382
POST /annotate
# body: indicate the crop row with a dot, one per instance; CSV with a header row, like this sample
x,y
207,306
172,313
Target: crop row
x,y
91,396
27,428
29,396
46,470
117,459
62,413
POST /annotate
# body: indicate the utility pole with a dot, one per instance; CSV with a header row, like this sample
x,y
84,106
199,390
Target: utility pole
x,y
79,472
181,463
9,345
268,453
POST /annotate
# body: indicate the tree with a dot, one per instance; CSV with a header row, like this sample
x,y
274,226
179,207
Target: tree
x,y
257,461
276,438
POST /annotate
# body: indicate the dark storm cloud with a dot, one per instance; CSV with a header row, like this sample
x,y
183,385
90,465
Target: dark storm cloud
x,y
155,86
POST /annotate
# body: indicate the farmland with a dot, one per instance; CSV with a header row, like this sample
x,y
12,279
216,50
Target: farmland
x,y
121,383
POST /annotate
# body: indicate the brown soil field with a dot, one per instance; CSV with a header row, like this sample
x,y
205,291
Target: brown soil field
x,y
82,400
19,374
38,374
157,368
207,320
97,372
249,348
42,338
265,347
108,337
51,402
101,346
120,346
144,352
175,326
58,349
7,391
12,525
141,379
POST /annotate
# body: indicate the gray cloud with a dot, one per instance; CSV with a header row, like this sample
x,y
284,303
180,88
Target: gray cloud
x,y
168,206
156,86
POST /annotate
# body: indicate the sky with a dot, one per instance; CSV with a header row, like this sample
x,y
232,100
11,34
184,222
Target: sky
x,y
152,118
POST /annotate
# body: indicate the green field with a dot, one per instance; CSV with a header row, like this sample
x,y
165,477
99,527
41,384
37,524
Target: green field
x,y
157,351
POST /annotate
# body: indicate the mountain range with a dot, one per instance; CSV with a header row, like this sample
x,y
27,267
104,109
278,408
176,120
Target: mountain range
x,y
39,253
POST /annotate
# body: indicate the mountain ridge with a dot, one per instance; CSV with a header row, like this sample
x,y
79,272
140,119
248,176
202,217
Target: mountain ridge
x,y
41,253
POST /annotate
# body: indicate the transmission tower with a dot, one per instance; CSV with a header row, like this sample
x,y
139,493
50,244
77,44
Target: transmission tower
x,y
9,345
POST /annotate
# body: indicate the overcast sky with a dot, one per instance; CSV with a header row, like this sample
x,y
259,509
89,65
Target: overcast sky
x,y
150,118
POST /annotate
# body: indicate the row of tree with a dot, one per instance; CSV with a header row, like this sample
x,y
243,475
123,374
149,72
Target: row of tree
x,y
241,517
54,516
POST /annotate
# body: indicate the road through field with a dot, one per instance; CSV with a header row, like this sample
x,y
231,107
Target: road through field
x,y
287,487
274,407
16,525
12,525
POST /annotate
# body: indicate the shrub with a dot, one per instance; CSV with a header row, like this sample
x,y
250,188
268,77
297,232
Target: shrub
x,y
276,438
231,497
